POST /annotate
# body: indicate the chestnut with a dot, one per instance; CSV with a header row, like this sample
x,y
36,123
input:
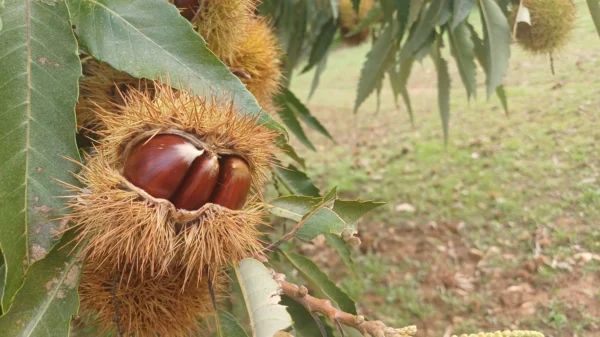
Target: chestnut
x,y
200,181
234,183
159,165
171,167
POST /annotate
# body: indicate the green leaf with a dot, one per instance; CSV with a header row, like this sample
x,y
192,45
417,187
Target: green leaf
x,y
289,119
291,152
423,29
480,55
229,326
445,13
260,292
373,15
322,44
594,6
48,299
413,12
496,43
317,77
39,67
443,89
132,36
304,324
343,217
398,81
377,63
2,274
461,46
343,250
293,207
313,274
302,111
462,8
502,97
296,181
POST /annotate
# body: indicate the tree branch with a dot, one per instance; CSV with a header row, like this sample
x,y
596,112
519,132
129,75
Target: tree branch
x,y
337,316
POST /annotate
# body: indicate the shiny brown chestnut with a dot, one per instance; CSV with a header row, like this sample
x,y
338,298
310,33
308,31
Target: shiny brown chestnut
x,y
171,167
234,183
159,165
199,183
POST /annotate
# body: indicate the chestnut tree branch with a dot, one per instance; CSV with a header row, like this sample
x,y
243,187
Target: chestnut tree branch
x,y
316,305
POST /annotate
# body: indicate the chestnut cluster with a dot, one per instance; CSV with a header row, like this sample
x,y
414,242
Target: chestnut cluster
x,y
171,167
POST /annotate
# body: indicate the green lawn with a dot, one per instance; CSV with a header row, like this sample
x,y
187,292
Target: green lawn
x,y
505,216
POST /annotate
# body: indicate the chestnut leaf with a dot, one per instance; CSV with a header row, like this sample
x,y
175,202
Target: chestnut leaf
x,y
229,326
296,181
304,323
150,39
48,300
260,292
496,43
325,216
39,72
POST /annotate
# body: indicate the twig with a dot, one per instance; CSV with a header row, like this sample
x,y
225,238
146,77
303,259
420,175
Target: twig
x,y
337,316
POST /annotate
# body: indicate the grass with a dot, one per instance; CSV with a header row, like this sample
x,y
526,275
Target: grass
x,y
523,189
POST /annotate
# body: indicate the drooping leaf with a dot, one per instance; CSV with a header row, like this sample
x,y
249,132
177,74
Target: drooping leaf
x,y
402,17
296,181
502,97
290,119
260,292
594,6
293,27
322,44
445,13
304,324
377,63
313,274
443,78
301,111
291,152
398,81
373,15
343,250
462,8
480,55
48,299
229,326
317,77
131,36
496,43
423,30
39,71
461,47
413,12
